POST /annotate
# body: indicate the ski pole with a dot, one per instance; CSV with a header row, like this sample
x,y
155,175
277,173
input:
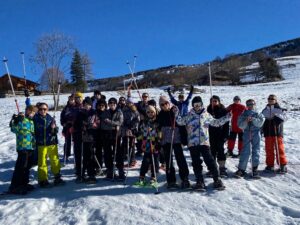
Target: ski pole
x,y
24,69
11,84
81,163
115,152
134,80
128,160
171,147
154,171
277,147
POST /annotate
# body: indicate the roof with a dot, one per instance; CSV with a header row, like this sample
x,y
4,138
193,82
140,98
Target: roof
x,y
20,78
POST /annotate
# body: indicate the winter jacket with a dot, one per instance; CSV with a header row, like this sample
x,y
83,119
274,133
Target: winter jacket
x,y
182,106
254,125
236,110
90,123
24,131
149,135
115,119
66,115
275,116
166,121
141,107
197,126
75,111
131,121
222,132
44,134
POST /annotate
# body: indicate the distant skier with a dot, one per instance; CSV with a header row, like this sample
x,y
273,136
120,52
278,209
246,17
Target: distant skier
x,y
273,133
250,122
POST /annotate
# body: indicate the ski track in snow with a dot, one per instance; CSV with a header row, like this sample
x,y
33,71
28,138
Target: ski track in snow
x,y
274,199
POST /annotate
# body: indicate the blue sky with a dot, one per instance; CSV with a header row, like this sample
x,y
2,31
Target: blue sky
x,y
159,32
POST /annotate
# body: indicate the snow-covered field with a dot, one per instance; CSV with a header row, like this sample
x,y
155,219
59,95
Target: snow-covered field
x,y
274,199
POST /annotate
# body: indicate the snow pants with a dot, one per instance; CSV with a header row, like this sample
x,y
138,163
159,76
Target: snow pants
x,y
251,147
110,147
20,176
196,152
181,162
271,150
44,152
147,161
231,141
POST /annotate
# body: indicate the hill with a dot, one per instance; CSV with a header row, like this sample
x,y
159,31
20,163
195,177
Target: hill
x,y
232,69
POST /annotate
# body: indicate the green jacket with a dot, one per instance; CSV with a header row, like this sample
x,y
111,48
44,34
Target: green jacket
x,y
24,131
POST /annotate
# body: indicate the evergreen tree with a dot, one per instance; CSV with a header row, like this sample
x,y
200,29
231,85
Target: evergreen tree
x,y
77,72
270,69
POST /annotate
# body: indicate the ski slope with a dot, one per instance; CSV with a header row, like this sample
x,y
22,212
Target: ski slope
x,y
274,199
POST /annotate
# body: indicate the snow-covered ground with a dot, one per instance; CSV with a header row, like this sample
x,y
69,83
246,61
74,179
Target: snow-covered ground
x,y
274,199
289,67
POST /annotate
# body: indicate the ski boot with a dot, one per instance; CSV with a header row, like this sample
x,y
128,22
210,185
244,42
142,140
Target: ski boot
x,y
218,184
239,173
58,180
91,180
200,185
269,169
255,173
283,169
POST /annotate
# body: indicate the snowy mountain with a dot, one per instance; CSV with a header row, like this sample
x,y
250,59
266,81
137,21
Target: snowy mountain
x,y
274,199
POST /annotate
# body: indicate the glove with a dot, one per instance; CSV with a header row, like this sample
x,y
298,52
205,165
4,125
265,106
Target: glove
x,y
175,110
192,88
26,93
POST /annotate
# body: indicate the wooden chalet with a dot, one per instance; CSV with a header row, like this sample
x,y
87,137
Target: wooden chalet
x,y
19,85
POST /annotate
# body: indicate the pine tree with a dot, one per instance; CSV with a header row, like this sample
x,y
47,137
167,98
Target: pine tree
x,y
77,72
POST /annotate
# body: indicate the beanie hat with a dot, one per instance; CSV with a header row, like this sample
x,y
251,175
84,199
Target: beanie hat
x,y
197,99
101,102
96,92
112,100
88,101
78,94
236,98
152,102
163,99
215,97
129,100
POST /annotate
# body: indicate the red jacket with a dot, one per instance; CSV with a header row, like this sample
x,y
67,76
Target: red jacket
x,y
236,109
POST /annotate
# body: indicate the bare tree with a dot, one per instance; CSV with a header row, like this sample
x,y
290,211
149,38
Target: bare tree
x,y
51,52
87,67
48,83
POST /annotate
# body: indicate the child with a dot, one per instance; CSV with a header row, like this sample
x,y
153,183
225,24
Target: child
x,y
197,122
23,127
250,122
150,145
273,133
46,140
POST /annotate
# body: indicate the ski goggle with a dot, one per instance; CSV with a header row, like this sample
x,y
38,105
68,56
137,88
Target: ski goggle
x,y
197,105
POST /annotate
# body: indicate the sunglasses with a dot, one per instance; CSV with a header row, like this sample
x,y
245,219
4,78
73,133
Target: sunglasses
x,y
101,105
163,104
145,96
150,112
214,100
271,99
250,104
197,105
43,109
112,103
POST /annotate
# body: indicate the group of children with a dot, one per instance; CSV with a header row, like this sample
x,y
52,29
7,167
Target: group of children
x,y
107,133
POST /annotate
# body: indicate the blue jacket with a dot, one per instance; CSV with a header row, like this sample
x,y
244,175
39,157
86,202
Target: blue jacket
x,y
182,106
44,134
